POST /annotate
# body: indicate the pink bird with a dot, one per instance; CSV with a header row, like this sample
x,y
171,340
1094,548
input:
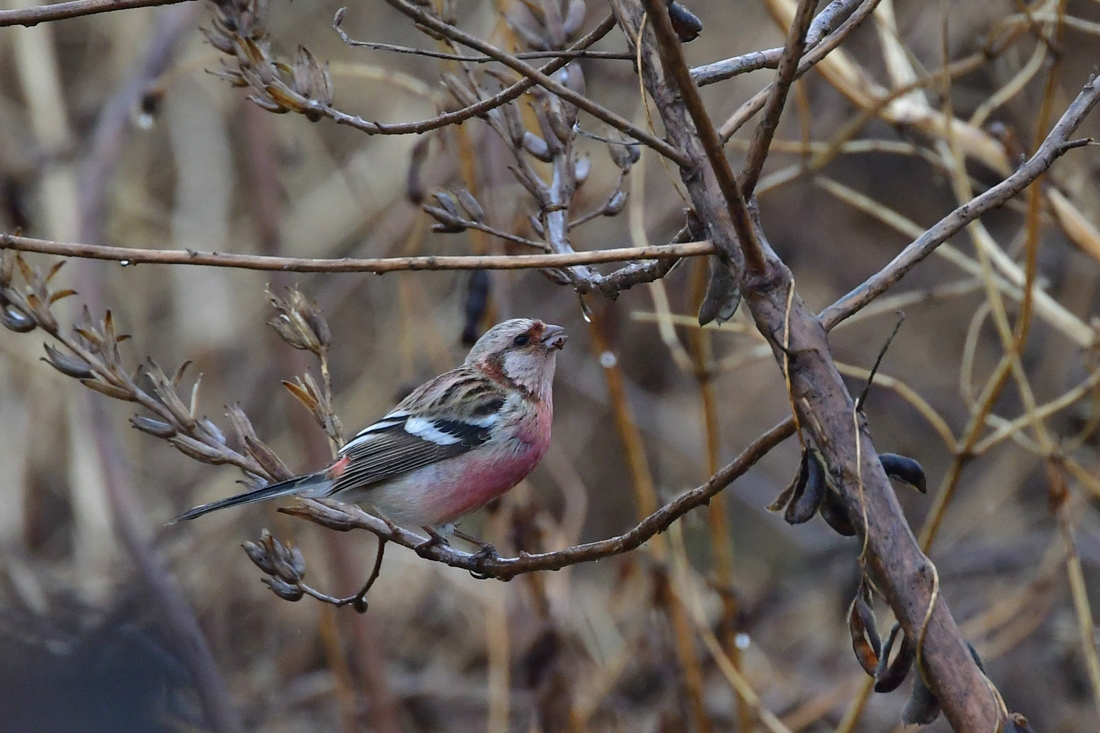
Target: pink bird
x,y
455,443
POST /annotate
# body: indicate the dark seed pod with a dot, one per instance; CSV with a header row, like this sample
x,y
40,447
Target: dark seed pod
x,y
723,296
889,675
805,503
686,24
904,469
16,320
797,484
832,511
922,708
68,364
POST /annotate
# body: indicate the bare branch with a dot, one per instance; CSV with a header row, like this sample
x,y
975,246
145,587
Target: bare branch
x,y
672,58
77,8
777,98
478,109
128,256
1055,145
598,111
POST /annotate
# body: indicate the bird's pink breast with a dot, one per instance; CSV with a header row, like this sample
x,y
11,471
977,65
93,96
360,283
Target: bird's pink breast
x,y
442,492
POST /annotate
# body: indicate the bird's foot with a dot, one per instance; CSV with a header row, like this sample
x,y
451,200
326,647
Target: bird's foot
x,y
485,552
435,539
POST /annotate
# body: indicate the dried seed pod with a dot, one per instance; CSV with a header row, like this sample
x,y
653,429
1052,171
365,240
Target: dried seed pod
x,y
299,322
168,396
156,428
284,590
258,553
448,223
212,431
68,364
582,166
447,202
15,320
904,469
922,707
889,675
686,24
833,512
795,486
805,502
723,296
862,628
267,459
537,147
199,451
536,225
287,562
241,425
624,154
615,204
470,205
110,390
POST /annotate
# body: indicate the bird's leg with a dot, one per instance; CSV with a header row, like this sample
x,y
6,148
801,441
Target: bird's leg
x,y
486,552
435,539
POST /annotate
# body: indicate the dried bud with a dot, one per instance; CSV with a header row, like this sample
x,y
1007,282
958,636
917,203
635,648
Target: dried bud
x,y
258,553
155,428
312,81
197,450
625,155
615,204
470,205
284,590
581,167
299,322
536,147
68,364
117,393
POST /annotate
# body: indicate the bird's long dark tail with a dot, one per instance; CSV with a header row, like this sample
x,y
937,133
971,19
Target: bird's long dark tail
x,y
296,485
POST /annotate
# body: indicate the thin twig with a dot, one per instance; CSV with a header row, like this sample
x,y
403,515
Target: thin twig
x,y
77,8
526,55
777,97
672,58
1056,144
477,109
129,256
600,112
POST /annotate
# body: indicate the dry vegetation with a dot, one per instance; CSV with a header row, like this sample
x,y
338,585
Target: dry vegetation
x,y
113,133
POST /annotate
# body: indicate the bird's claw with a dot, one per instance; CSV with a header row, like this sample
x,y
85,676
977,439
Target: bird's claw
x,y
487,552
434,540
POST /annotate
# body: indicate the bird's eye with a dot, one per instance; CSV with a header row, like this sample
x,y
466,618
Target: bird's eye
x,y
521,340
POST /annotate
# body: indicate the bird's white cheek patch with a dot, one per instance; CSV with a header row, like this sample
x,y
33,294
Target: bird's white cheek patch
x,y
427,430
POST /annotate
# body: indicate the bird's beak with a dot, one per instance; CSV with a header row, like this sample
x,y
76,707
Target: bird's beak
x,y
553,337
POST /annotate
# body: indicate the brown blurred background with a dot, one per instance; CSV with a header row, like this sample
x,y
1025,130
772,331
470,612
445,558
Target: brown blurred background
x,y
112,131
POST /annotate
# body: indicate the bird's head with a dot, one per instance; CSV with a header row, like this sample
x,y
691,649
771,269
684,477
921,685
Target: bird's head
x,y
521,350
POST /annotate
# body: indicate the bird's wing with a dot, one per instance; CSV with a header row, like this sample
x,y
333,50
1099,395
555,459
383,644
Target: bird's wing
x,y
444,418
